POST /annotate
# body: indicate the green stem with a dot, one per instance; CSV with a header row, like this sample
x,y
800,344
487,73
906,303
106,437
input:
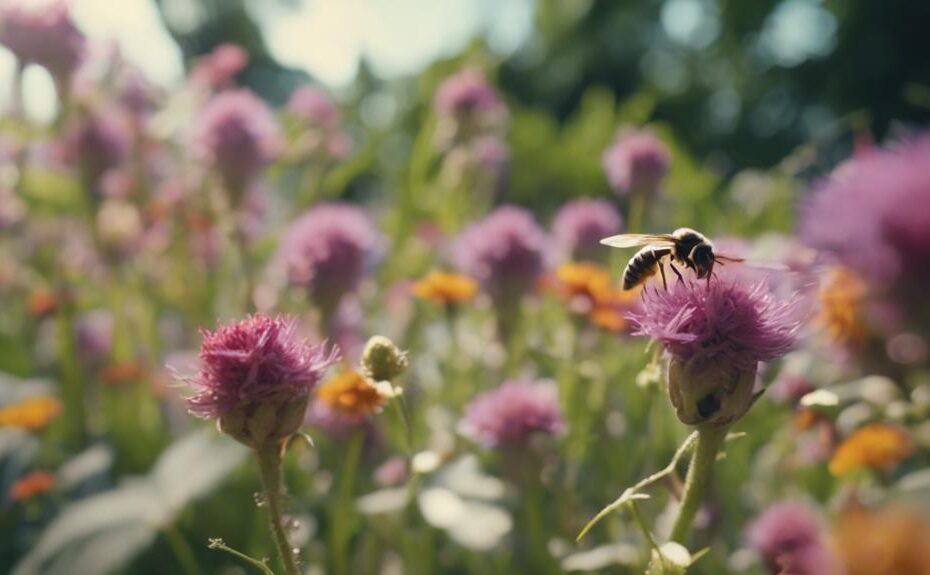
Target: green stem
x,y
343,512
638,201
269,461
182,551
709,440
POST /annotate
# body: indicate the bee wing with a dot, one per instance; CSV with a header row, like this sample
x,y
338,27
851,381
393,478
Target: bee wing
x,y
771,266
635,240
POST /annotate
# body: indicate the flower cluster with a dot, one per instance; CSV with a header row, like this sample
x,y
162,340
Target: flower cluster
x,y
43,34
580,225
790,539
636,163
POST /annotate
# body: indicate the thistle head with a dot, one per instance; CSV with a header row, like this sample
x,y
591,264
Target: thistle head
x,y
512,414
716,334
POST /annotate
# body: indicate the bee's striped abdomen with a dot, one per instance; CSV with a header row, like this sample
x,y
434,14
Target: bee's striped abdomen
x,y
643,265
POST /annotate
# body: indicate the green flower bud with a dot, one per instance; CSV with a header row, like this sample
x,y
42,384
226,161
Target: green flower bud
x,y
708,392
382,360
257,424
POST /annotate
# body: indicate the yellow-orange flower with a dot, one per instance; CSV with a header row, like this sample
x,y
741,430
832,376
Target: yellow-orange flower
x,y
120,373
894,541
446,287
841,300
587,288
41,303
351,393
31,485
878,446
33,413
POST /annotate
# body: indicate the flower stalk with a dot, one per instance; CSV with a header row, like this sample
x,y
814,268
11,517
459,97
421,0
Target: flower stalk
x,y
269,461
709,440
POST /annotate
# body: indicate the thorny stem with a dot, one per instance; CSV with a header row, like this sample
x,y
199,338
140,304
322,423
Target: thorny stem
x,y
269,461
709,440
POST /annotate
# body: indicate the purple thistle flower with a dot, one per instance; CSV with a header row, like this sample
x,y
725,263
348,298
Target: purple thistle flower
x,y
790,540
218,68
237,135
716,334
511,414
256,361
97,144
580,225
870,214
95,336
313,106
636,163
327,250
43,35
504,251
467,94
721,321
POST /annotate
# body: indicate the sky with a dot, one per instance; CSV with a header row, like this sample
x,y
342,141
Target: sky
x,y
326,38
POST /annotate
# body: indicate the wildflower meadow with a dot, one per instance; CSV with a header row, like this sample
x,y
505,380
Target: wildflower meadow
x,y
620,288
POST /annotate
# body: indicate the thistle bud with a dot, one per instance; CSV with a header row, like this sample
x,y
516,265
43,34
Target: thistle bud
x,y
382,360
709,393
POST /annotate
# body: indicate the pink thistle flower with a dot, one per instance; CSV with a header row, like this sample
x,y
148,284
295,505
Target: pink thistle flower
x,y
218,68
716,334
467,94
327,250
505,252
43,35
98,144
514,412
870,215
313,106
236,135
790,540
637,162
580,225
256,376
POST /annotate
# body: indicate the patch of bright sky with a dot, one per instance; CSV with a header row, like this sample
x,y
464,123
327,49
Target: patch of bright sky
x,y
327,38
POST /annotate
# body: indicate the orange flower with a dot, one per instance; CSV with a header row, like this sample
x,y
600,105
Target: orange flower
x,y
351,393
446,287
587,288
892,541
33,413
30,485
805,419
41,303
841,300
877,445
122,372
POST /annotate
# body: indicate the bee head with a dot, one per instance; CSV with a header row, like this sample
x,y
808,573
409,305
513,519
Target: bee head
x,y
702,255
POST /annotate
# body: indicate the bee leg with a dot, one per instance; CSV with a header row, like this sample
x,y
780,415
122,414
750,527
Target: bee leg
x,y
662,271
677,273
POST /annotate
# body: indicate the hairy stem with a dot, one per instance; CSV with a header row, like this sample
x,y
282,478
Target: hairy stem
x,y
709,440
269,461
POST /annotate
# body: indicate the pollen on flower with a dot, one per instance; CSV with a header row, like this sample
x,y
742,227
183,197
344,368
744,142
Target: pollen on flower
x,y
32,484
841,297
878,446
33,414
446,287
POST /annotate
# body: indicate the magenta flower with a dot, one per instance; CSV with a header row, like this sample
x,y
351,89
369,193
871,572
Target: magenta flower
x,y
580,225
790,539
219,68
504,251
716,334
98,144
514,412
637,162
327,250
95,336
870,215
313,106
467,95
256,361
236,135
43,35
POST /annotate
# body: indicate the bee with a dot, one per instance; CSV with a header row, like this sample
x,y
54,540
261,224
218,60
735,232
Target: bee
x,y
689,248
